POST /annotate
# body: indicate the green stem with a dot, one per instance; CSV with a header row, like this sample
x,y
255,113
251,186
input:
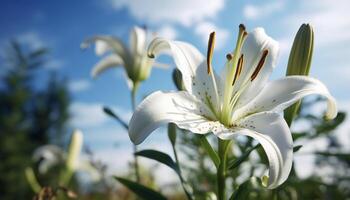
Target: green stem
x,y
133,105
33,182
221,172
189,196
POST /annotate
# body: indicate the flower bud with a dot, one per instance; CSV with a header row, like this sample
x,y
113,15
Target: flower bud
x,y
299,62
75,146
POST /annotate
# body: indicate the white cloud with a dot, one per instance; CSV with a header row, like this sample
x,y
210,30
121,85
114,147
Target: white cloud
x,y
117,160
167,32
32,39
329,19
181,11
203,30
89,115
79,85
254,12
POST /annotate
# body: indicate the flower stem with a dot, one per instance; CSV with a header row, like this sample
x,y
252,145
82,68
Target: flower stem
x,y
183,182
221,172
133,105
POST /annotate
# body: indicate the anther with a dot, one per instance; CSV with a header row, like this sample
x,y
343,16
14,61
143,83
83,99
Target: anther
x,y
242,27
229,56
238,69
211,43
245,33
150,55
260,65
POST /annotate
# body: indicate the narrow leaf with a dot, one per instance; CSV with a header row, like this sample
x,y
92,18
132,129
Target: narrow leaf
x,y
245,189
236,162
297,148
172,133
109,112
140,190
160,157
211,152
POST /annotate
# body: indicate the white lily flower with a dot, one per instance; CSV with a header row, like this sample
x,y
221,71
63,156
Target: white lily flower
x,y
134,59
240,102
49,156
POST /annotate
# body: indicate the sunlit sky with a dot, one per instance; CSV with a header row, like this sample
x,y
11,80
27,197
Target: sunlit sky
x,y
63,25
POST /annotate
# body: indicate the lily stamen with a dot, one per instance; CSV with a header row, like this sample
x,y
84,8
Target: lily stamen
x,y
210,51
238,69
260,65
229,56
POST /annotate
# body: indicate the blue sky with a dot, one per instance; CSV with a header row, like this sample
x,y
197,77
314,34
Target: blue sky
x,y
63,25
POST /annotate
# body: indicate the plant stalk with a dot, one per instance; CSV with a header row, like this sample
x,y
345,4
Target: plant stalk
x,y
189,196
133,105
221,171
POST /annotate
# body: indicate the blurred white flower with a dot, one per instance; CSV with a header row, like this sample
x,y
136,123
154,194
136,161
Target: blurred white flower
x,y
239,102
134,59
49,156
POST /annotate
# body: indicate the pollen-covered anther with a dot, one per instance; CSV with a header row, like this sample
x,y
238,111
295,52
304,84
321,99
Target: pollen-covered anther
x,y
229,56
242,27
150,55
211,43
245,34
238,69
260,65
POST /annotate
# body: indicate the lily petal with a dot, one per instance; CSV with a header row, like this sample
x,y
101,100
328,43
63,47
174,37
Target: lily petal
x,y
48,156
193,67
138,39
253,49
280,94
161,108
273,133
101,47
114,44
105,63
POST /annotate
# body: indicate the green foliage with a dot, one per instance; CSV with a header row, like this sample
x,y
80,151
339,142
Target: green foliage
x,y
160,157
140,190
110,113
29,117
233,163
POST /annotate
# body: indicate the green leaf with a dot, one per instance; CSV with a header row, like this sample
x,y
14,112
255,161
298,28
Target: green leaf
x,y
177,79
297,148
245,189
109,112
209,149
172,133
232,164
140,190
168,161
329,125
297,136
160,157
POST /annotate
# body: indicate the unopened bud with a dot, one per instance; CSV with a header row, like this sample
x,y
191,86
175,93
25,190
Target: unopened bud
x,y
299,62
75,146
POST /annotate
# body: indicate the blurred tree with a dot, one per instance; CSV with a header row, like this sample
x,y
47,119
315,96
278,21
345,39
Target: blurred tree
x,y
29,117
